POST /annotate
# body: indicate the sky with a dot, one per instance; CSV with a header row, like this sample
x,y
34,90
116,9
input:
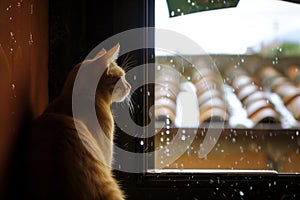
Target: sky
x,y
233,30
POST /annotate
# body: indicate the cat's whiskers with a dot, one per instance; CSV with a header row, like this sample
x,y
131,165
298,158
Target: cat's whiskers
x,y
128,62
129,103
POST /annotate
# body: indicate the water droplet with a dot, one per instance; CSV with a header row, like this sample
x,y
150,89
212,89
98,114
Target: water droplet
x,y
172,13
31,9
134,77
242,60
142,142
10,18
168,122
19,4
13,86
8,8
297,133
241,193
30,42
183,137
158,67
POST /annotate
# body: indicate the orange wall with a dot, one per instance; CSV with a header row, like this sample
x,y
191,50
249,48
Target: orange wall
x,y
23,68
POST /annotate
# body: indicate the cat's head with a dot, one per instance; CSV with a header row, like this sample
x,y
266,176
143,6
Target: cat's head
x,y
112,85
113,81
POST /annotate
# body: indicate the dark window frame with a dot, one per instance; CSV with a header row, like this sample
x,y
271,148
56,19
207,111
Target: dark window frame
x,y
198,185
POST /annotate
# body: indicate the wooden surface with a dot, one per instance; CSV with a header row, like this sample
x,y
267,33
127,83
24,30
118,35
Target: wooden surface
x,y
23,69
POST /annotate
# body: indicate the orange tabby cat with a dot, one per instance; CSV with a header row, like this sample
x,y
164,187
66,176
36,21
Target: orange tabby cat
x,y
68,162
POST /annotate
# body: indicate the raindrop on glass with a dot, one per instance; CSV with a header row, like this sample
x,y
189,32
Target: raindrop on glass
x,y
30,42
8,8
183,137
241,193
31,9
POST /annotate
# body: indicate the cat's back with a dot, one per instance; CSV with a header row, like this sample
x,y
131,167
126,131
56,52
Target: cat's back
x,y
58,163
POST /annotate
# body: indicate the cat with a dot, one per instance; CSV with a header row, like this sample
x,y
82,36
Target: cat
x,y
68,162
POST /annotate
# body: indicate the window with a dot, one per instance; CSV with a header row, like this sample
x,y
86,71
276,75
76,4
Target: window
x,y
227,89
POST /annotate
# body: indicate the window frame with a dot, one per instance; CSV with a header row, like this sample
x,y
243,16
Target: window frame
x,y
196,185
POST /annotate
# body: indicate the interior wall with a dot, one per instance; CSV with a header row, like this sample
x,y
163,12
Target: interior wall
x,y
23,70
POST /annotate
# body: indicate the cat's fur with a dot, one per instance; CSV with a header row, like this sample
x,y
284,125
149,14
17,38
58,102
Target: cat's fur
x,y
68,162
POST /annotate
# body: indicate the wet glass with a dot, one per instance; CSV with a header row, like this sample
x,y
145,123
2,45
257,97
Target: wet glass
x,y
234,106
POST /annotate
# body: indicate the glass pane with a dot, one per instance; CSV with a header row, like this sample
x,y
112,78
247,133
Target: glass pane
x,y
231,104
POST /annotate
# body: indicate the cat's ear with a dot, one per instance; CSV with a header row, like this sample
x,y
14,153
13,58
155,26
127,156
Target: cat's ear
x,y
113,54
100,53
106,59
